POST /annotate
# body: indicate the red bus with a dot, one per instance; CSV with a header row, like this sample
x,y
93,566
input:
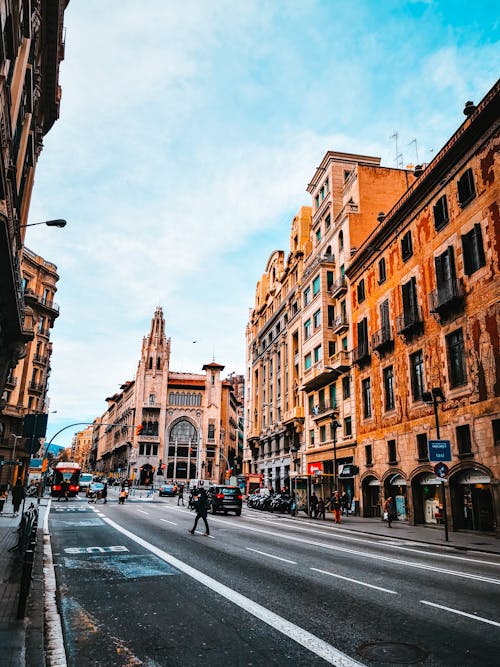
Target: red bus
x,y
66,471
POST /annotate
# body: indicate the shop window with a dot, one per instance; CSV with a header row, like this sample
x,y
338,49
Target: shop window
x,y
456,358
465,188
495,425
473,250
440,210
368,455
422,448
464,443
406,246
391,452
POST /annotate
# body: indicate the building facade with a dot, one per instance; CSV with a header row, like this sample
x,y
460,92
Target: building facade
x,y
166,424
425,299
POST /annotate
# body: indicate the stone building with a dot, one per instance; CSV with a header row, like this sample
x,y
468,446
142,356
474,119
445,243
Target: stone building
x,y
426,314
167,424
31,49
81,446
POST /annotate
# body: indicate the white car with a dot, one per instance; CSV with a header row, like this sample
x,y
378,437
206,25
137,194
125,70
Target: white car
x,y
85,481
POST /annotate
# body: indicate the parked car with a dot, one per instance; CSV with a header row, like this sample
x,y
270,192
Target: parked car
x,y
168,489
225,499
85,481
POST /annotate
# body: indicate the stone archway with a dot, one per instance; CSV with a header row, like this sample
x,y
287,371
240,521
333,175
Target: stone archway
x,y
370,490
183,446
471,495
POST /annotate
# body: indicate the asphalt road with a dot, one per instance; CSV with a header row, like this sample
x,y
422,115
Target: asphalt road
x,y
135,588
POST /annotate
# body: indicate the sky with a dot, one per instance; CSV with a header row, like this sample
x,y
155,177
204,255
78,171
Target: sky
x,y
188,132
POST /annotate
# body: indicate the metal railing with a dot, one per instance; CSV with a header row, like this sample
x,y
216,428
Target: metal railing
x,y
25,552
446,295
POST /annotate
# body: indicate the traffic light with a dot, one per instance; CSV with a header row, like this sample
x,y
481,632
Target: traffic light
x,y
138,429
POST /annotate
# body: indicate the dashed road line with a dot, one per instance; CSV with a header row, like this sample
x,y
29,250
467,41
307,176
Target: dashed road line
x,y
263,553
355,581
461,613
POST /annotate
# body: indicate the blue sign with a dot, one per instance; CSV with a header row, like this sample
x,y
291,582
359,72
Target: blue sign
x,y
439,450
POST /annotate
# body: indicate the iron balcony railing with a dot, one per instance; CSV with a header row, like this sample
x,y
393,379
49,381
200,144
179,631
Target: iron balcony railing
x,y
382,338
361,353
449,294
409,321
338,287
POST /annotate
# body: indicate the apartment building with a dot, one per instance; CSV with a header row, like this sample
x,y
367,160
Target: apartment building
x,y
81,446
168,424
426,322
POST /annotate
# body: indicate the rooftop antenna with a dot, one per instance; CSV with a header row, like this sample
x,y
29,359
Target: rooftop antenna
x,y
399,156
414,141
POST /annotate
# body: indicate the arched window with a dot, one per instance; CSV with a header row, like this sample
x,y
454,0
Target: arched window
x,y
150,362
341,240
183,432
171,398
158,363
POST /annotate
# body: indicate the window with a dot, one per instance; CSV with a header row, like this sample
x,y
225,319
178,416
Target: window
x,y
317,201
417,375
141,450
346,387
318,235
328,221
316,285
332,348
317,319
389,387
329,280
385,323
333,395
310,401
366,391
307,329
211,431
341,240
344,343
445,274
322,434
307,296
311,437
361,290
331,316
318,354
391,451
368,455
495,425
456,358
441,213
155,450
410,302
382,275
464,443
465,188
473,251
307,361
362,338
422,448
406,246
347,427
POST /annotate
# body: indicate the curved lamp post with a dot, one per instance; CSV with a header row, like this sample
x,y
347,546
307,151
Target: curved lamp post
x,y
49,223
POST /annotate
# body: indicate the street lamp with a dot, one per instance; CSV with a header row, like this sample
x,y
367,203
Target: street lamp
x,y
436,396
49,223
335,425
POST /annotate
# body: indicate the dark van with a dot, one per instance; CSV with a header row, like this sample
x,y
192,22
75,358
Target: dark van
x,y
225,499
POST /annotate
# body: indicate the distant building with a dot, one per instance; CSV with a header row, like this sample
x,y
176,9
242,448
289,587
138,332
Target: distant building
x,y
167,424
81,447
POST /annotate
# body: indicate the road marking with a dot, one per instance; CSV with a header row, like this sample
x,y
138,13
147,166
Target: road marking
x,y
461,613
263,553
309,641
365,554
167,521
54,644
355,581
92,550
142,511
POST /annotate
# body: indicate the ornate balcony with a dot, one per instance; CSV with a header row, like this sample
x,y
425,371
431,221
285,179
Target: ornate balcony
x,y
410,322
448,297
340,324
338,288
323,410
382,340
340,362
361,354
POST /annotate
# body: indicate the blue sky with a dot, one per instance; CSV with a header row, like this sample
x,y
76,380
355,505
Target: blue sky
x,y
188,134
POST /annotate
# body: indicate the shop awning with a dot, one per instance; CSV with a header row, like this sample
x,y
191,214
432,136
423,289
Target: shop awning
x,y
474,477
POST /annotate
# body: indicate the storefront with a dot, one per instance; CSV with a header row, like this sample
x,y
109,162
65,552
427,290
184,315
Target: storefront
x,y
472,501
370,489
427,499
395,487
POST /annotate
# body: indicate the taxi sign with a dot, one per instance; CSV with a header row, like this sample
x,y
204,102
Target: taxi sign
x,y
441,470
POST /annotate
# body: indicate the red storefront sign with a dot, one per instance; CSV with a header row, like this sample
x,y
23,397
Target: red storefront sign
x,y
315,468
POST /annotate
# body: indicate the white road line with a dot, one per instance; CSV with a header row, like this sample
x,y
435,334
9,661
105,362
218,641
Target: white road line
x,y
142,511
167,521
366,554
263,553
461,613
309,641
54,642
355,581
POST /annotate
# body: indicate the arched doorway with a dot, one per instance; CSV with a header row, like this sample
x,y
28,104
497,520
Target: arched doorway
x,y
182,450
370,488
395,488
146,474
427,493
472,500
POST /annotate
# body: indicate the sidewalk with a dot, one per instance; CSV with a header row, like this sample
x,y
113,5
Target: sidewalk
x,y
401,530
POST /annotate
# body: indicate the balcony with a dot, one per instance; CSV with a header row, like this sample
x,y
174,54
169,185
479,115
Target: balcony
x,y
340,362
447,298
151,406
40,359
323,410
410,322
31,295
361,354
11,382
338,288
340,324
36,387
382,340
321,259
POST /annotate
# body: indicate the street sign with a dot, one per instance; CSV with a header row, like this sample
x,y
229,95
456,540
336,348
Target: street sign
x,y
348,470
439,450
315,468
441,470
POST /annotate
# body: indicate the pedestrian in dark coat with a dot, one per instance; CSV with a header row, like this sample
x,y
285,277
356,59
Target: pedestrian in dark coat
x,y
320,509
180,496
104,492
201,508
18,495
313,505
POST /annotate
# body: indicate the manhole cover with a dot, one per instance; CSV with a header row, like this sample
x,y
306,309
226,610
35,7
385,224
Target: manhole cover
x,y
403,654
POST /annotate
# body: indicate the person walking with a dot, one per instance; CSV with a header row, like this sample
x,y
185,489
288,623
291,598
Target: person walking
x,y
389,514
344,504
313,505
18,495
4,494
104,492
180,496
320,510
201,507
334,505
